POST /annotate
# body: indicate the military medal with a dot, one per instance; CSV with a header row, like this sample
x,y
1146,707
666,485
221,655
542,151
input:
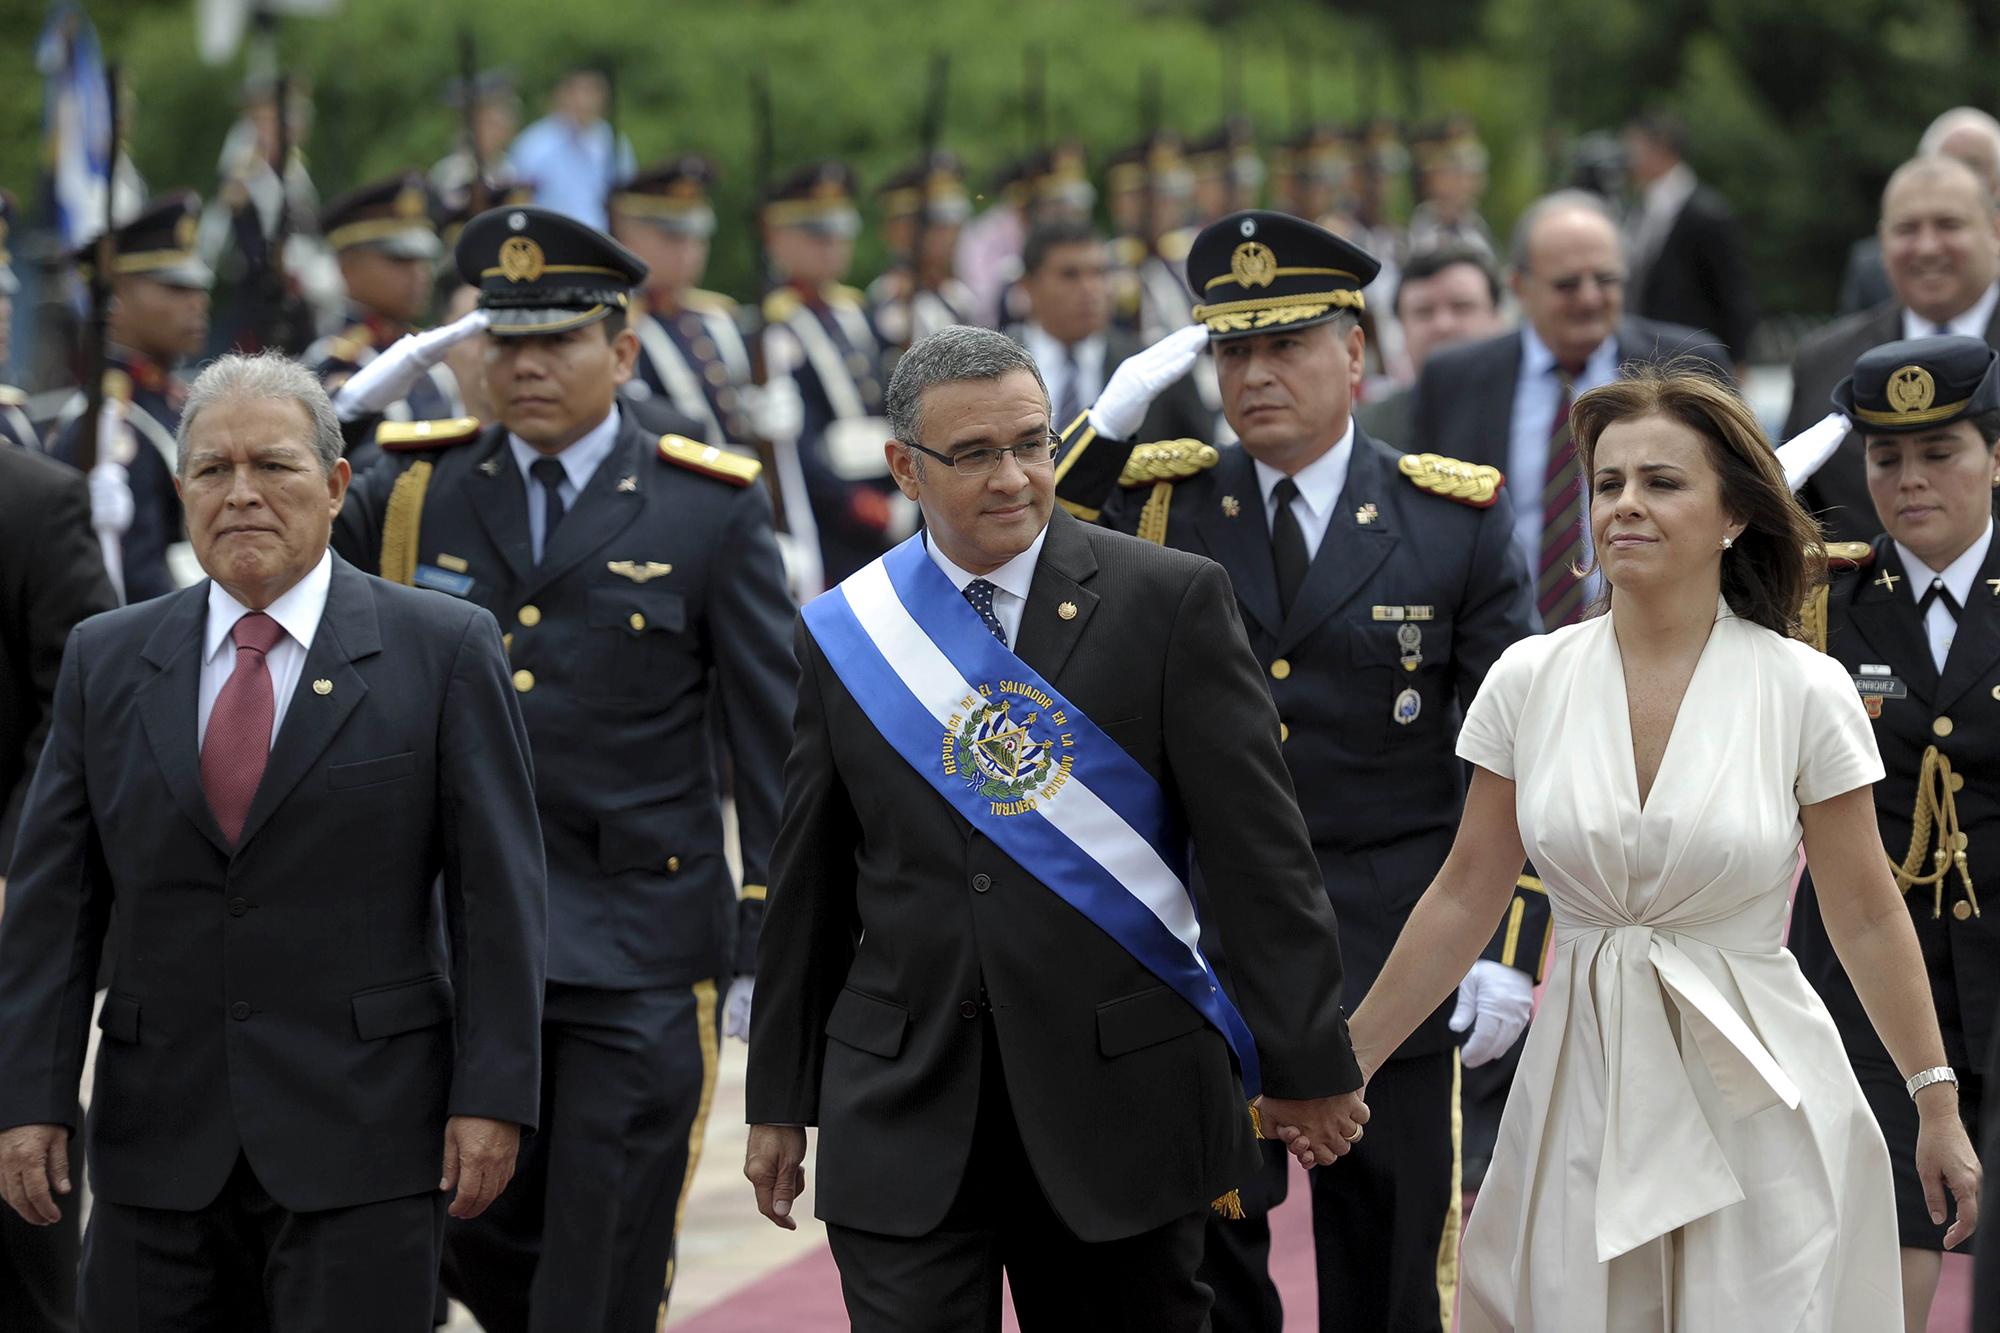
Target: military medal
x,y
1411,639
1408,704
1875,683
1231,506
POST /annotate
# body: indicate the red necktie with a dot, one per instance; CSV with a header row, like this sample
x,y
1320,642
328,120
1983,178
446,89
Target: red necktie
x,y
1558,591
238,743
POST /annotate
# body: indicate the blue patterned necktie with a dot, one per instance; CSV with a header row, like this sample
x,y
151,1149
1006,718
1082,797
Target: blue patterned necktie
x,y
980,593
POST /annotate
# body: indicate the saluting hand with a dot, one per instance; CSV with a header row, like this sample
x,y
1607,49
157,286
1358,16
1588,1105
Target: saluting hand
x,y
34,1161
478,1161
1319,1131
774,1162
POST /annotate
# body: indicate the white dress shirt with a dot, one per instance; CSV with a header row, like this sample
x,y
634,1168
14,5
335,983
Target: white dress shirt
x,y
1971,324
298,612
1011,581
1053,357
579,463
1957,577
1536,394
1320,483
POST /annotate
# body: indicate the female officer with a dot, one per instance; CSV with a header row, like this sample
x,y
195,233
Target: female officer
x,y
1915,618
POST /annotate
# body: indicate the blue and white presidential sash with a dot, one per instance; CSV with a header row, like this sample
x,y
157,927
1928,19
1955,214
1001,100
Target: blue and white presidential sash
x,y
1024,765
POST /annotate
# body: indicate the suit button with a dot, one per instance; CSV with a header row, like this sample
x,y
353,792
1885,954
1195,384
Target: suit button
x,y
529,616
673,865
637,622
240,1010
1962,910
238,906
970,1009
1284,733
981,883
1941,728
1280,669
524,680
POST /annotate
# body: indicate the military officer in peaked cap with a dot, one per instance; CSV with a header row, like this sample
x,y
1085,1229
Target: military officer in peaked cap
x,y
1915,618
1378,588
924,207
15,425
158,319
639,586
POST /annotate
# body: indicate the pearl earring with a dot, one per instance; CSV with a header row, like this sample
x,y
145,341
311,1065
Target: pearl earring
x,y
1728,542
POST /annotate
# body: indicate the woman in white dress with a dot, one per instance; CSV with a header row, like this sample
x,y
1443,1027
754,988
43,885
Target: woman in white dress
x,y
1685,1147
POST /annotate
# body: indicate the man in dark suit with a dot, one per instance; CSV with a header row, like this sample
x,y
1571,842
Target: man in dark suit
x,y
51,576
640,587
1504,401
1006,1031
1378,588
1688,262
1443,298
290,1047
1066,277
1940,233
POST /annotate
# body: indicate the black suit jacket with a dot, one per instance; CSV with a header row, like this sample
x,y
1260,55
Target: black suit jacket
x,y
892,920
1177,414
1701,277
291,1001
1838,493
1465,395
51,576
627,681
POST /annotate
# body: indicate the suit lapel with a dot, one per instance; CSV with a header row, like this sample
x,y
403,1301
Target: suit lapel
x,y
169,706
1241,543
1490,406
602,510
500,498
1047,636
1885,617
1351,551
347,632
1975,645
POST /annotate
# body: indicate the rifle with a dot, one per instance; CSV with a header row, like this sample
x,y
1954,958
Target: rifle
x,y
928,132
98,336
285,324
762,160
476,194
1149,116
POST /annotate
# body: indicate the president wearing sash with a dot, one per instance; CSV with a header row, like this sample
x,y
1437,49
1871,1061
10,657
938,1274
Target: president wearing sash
x,y
1018,737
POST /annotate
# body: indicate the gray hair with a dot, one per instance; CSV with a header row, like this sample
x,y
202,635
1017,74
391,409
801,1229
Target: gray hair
x,y
952,355
1562,201
266,375
1954,120
1941,167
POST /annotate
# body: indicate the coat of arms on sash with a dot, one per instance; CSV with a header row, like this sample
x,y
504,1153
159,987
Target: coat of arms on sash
x,y
1014,762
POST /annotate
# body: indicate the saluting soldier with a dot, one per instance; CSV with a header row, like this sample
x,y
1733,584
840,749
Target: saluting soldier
x,y
158,319
1378,589
639,586
385,238
15,425
1915,618
1149,189
691,347
924,207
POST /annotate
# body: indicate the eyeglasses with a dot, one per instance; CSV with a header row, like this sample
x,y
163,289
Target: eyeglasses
x,y
979,462
1571,284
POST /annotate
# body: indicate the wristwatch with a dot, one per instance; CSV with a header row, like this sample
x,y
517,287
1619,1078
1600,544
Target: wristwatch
x,y
1923,1078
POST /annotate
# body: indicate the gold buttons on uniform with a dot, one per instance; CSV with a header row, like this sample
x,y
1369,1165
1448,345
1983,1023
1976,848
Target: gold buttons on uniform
x,y
1962,910
1284,733
1280,669
529,616
1941,727
524,680
673,865
1958,782
1996,691
637,621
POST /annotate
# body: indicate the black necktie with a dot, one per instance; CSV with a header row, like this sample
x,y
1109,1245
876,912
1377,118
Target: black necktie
x,y
1937,592
1070,405
550,474
1288,544
980,593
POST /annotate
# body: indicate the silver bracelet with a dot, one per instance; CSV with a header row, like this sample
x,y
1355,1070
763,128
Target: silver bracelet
x,y
1923,1078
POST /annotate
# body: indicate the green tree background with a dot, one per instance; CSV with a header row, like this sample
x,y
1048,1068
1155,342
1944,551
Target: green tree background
x,y
1799,108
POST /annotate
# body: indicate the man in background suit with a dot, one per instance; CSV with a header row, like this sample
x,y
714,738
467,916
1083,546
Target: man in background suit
x,y
290,1049
1066,276
51,576
1940,233
1688,261
1443,298
1004,1079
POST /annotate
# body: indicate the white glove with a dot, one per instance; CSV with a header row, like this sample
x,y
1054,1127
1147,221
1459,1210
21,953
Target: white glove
x,y
1494,1001
775,410
111,507
1806,452
390,376
1134,385
736,1008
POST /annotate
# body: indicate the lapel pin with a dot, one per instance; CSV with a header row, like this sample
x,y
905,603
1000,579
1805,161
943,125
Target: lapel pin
x,y
627,485
1366,514
1995,585
1067,610
491,467
637,572
1231,507
1888,580
322,686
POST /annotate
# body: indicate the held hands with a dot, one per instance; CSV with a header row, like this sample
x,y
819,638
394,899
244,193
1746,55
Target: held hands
x,y
478,1161
1317,1131
1134,385
1495,1001
1945,1162
389,376
34,1167
774,1162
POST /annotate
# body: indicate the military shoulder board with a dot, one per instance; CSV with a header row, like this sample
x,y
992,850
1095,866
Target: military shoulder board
x,y
708,460
1167,460
411,436
1849,555
1474,484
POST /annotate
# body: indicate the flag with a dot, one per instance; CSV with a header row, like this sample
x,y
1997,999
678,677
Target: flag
x,y
76,121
